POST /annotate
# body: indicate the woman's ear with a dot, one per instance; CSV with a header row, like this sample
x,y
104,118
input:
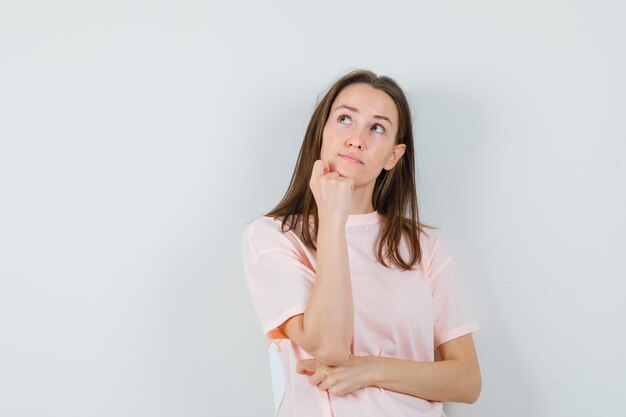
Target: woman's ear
x,y
396,154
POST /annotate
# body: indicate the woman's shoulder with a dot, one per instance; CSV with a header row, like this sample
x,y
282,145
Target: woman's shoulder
x,y
265,234
435,249
270,222
269,228
427,234
429,242
263,220
262,225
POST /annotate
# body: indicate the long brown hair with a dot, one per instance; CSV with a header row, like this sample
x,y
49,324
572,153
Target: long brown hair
x,y
394,193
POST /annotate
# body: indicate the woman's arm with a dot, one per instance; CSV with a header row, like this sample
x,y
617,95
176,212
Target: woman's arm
x,y
325,328
455,378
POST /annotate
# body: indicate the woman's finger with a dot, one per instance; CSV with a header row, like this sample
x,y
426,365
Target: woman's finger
x,y
319,375
305,365
323,385
332,175
320,168
317,170
351,182
326,168
316,378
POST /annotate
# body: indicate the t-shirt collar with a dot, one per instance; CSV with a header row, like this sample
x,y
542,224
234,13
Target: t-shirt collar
x,y
364,219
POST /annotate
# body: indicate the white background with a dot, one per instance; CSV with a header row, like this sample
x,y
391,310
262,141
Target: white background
x,y
137,140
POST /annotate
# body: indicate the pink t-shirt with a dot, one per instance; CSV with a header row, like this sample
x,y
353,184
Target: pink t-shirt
x,y
397,314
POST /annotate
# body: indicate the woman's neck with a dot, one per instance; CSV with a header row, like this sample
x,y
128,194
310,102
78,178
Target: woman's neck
x,y
361,201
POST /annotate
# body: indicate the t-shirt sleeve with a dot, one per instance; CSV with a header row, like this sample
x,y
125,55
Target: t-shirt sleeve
x,y
278,277
449,316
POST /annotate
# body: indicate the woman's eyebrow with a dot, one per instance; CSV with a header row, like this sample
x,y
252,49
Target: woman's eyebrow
x,y
356,111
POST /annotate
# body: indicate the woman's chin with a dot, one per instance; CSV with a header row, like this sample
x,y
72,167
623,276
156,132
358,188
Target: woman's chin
x,y
344,173
341,170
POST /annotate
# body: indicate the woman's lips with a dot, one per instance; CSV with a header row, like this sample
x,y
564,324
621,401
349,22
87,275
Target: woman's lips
x,y
352,160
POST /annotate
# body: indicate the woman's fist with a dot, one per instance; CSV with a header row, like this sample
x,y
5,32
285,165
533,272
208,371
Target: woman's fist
x,y
332,192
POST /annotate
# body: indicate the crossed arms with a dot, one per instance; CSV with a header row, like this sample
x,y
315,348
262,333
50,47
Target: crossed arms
x,y
456,377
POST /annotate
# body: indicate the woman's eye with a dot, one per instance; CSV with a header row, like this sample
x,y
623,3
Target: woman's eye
x,y
382,129
343,117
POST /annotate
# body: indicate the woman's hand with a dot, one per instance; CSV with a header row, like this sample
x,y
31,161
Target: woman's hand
x,y
331,191
338,380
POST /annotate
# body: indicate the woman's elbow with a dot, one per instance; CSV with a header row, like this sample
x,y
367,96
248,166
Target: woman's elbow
x,y
474,388
333,358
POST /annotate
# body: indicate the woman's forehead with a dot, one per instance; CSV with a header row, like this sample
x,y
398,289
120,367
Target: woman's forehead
x,y
367,100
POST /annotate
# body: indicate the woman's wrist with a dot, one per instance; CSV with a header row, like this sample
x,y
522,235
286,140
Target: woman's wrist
x,y
332,220
372,364
331,228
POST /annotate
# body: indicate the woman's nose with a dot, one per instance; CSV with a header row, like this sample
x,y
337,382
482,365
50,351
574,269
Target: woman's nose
x,y
355,144
357,139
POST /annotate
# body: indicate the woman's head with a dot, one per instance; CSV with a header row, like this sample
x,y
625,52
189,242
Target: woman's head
x,y
359,139
389,155
375,126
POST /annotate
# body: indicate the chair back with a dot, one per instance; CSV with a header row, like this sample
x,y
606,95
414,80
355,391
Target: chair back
x,y
277,372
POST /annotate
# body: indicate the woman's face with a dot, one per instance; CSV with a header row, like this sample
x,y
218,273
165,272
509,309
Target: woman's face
x,y
362,124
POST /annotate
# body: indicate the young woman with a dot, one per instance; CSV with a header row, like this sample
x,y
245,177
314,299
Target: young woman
x,y
345,278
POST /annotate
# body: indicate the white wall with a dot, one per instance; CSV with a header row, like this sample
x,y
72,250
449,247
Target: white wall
x,y
137,139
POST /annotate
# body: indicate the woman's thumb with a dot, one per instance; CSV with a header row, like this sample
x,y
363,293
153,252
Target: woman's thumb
x,y
320,168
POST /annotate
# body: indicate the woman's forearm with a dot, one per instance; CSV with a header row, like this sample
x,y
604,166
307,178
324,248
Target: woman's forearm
x,y
447,380
330,311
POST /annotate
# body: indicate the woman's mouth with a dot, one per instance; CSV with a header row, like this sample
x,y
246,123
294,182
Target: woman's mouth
x,y
352,160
